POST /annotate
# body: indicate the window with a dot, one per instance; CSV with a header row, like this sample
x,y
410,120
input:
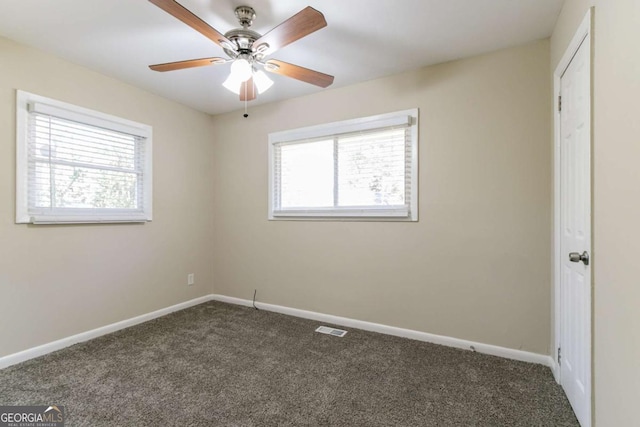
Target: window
x,y
76,165
357,169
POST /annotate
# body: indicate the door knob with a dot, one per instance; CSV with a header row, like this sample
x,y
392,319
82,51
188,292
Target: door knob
x,y
577,257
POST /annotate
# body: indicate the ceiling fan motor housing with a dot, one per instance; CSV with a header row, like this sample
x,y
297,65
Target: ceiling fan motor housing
x,y
243,38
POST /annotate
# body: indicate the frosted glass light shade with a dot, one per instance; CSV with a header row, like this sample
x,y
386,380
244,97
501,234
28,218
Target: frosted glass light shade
x,y
263,83
241,69
233,84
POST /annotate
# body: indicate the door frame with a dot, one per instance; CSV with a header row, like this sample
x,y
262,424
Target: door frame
x,y
584,35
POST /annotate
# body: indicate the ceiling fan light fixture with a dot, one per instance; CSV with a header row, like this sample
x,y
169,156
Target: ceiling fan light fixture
x,y
233,84
241,69
263,83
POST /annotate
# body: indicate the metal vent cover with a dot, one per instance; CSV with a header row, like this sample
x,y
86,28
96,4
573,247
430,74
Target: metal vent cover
x,y
331,331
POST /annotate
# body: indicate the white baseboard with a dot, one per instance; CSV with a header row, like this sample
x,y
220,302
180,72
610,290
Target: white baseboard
x,y
493,350
41,350
504,352
555,369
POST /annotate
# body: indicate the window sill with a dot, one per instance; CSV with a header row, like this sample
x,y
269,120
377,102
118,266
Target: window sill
x,y
401,215
48,220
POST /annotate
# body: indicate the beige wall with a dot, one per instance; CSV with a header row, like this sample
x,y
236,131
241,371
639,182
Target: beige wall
x,y
616,195
476,265
56,281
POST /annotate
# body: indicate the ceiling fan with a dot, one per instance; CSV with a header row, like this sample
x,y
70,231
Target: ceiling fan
x,y
247,49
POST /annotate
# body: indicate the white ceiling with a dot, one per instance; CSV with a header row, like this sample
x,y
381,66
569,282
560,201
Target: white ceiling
x,y
364,39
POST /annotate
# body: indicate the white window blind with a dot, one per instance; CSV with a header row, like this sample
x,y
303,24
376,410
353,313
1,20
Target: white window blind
x,y
367,170
80,166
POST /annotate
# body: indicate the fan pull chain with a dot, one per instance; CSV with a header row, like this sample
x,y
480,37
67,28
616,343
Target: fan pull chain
x,y
245,115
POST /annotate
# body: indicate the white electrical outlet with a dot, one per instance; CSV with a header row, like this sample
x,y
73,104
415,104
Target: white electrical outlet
x,y
190,279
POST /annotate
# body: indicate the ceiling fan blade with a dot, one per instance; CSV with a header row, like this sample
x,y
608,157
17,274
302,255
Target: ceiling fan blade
x,y
179,65
175,9
303,23
248,90
299,73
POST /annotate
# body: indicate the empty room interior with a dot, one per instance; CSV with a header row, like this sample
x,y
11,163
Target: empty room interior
x,y
356,213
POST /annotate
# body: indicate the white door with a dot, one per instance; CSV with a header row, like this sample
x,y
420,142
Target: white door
x,y
575,233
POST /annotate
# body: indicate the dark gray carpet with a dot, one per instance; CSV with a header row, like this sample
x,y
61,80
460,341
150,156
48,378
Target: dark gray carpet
x,y
222,365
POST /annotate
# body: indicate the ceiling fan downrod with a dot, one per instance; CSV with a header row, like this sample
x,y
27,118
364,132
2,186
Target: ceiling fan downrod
x,y
245,15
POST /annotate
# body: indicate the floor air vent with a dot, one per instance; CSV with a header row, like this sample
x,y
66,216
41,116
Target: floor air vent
x,y
331,331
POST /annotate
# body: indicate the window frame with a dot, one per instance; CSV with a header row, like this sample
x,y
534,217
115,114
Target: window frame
x,y
24,215
330,130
